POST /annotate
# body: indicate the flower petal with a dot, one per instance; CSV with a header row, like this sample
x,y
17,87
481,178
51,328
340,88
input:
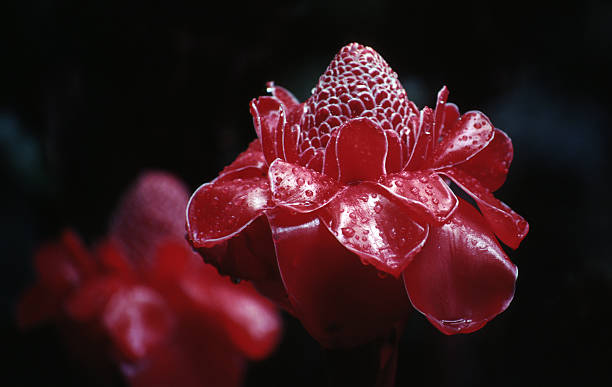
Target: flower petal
x,y
440,113
89,301
361,149
419,159
300,188
269,118
340,301
451,115
330,160
379,230
284,95
509,226
291,136
467,137
220,209
316,163
252,157
394,160
490,165
462,278
423,190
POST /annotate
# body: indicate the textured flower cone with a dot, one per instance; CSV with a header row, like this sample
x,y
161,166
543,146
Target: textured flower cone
x,y
351,185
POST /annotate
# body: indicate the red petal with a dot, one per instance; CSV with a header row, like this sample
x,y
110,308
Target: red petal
x,y
284,95
300,188
439,113
361,149
509,226
467,137
291,136
221,209
340,301
422,149
90,300
379,230
316,163
451,115
330,160
138,320
253,157
462,278
151,211
269,117
425,191
394,161
490,165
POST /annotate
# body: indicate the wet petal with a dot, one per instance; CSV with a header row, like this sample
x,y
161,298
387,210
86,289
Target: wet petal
x,y
440,113
361,149
269,117
300,188
451,115
340,301
221,209
253,157
394,160
330,160
284,95
291,136
316,163
490,165
462,278
467,137
376,228
420,157
138,320
509,226
423,190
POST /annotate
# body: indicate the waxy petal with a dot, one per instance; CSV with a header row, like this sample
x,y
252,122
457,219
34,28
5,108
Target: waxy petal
x,y
316,162
420,157
451,115
340,301
361,149
330,160
462,278
440,113
221,209
253,157
490,165
423,190
376,228
509,226
467,137
394,160
291,136
300,188
284,95
269,118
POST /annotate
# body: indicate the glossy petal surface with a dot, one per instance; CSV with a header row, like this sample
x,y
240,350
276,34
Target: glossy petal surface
x,y
220,209
467,137
300,188
269,117
394,160
509,226
283,95
425,191
419,159
379,230
340,301
361,150
490,165
462,278
253,157
330,159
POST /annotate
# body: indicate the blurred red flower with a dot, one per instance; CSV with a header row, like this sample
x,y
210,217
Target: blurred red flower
x,y
342,210
164,316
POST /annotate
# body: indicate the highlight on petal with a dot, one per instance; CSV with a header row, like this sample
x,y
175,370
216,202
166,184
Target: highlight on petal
x,y
300,188
420,157
252,157
269,117
423,190
284,95
361,149
381,231
221,209
451,115
467,137
440,113
509,226
462,278
330,160
340,301
394,160
490,165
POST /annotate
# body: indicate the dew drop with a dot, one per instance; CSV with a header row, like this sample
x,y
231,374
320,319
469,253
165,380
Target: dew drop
x,y
279,180
308,193
423,179
435,201
300,181
378,208
347,232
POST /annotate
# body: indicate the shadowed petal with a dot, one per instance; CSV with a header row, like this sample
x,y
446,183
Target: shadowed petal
x,y
361,149
394,160
379,230
419,159
340,301
220,209
330,160
423,190
291,136
284,95
462,278
490,165
451,115
269,118
509,226
300,188
467,137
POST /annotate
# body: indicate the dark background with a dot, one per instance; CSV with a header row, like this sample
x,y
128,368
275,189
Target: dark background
x,y
92,93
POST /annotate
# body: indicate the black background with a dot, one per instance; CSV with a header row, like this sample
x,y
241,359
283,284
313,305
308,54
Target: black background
x,y
92,93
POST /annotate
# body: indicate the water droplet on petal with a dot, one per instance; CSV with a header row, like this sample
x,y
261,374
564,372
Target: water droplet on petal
x,y
378,208
348,232
308,193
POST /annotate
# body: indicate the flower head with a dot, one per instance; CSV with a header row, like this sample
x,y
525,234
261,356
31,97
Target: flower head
x,y
342,208
165,317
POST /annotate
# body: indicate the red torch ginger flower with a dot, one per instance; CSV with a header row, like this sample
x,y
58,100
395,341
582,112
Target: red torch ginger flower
x,y
168,319
341,212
